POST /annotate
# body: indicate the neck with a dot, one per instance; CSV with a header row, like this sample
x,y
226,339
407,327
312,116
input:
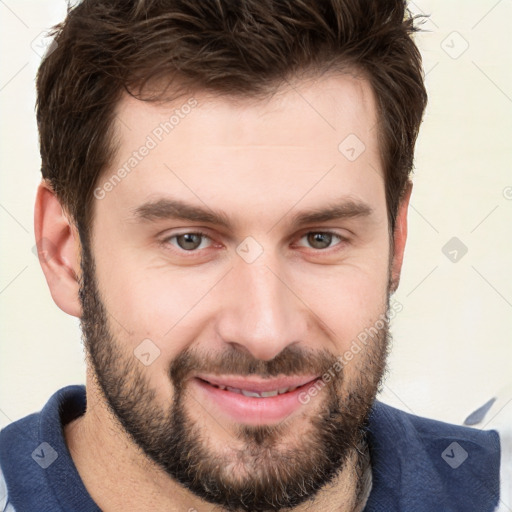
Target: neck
x,y
115,471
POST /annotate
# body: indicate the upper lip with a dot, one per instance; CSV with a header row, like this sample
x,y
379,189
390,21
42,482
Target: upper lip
x,y
258,384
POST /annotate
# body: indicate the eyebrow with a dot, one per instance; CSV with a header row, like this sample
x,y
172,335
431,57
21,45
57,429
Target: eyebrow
x,y
161,209
166,208
345,209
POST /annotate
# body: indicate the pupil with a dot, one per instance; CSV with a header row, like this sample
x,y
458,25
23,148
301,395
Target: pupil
x,y
189,241
319,240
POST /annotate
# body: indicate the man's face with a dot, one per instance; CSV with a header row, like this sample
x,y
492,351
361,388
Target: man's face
x,y
247,247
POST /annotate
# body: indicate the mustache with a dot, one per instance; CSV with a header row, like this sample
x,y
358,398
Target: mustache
x,y
291,361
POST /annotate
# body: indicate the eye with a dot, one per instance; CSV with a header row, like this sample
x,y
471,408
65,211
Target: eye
x,y
321,239
189,241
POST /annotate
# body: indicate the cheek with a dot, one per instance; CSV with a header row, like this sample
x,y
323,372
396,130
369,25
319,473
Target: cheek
x,y
153,301
348,298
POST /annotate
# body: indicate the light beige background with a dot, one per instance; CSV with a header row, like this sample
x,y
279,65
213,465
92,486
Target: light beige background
x,y
452,341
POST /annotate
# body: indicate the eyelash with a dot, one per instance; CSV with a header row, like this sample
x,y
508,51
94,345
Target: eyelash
x,y
166,241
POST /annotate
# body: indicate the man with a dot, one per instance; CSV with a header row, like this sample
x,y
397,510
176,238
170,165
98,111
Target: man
x,y
224,206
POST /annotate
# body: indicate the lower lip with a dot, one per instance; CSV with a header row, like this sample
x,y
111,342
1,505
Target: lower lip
x,y
252,410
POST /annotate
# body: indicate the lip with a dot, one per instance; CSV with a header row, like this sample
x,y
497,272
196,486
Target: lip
x,y
257,384
253,410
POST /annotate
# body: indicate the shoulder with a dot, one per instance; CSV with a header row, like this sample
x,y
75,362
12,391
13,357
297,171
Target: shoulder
x,y
420,463
428,430
496,414
18,446
35,465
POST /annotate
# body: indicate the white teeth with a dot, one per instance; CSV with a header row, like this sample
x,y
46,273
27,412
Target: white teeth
x,y
250,393
269,393
254,394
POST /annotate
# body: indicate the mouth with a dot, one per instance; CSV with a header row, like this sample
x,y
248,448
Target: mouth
x,y
252,400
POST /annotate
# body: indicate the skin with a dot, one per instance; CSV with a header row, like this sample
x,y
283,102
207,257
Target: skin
x,y
260,163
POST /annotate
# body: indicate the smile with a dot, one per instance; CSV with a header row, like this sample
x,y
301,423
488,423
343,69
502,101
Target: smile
x,y
252,401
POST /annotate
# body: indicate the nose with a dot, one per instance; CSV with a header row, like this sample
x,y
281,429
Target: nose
x,y
261,313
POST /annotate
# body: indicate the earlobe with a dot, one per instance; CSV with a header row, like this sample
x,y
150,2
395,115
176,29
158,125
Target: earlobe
x,y
399,238
58,249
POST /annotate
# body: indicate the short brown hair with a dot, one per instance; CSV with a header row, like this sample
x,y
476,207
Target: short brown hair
x,y
231,47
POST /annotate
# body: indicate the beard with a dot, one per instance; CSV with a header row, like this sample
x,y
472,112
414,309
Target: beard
x,y
274,467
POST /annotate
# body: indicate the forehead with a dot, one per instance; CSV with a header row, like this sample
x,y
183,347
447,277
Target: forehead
x,y
331,105
311,139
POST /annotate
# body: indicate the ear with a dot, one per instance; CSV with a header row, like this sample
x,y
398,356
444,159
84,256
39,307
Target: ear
x,y
58,247
400,237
